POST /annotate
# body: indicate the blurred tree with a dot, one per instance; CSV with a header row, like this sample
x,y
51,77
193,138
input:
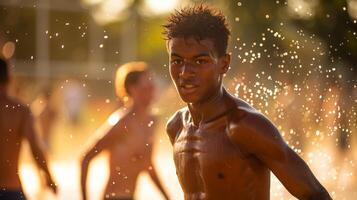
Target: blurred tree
x,y
333,24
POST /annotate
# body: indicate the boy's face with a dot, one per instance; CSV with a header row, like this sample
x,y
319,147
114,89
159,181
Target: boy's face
x,y
144,90
196,68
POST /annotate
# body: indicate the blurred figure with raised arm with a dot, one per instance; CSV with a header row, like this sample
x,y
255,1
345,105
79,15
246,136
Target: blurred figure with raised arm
x,y
129,140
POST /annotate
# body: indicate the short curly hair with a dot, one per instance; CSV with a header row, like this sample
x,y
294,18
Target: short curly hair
x,y
200,22
128,74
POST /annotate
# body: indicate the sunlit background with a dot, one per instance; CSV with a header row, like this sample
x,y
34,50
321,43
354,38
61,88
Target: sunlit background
x,y
294,60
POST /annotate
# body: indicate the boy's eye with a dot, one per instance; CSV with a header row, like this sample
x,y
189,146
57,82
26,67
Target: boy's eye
x,y
176,62
201,61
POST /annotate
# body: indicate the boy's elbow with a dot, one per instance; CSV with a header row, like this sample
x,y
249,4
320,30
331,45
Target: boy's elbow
x,y
85,160
319,194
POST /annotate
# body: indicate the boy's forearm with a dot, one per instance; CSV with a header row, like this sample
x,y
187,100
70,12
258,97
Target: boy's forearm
x,y
157,182
83,174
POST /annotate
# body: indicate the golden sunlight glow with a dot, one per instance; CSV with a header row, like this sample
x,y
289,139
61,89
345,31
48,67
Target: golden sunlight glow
x,y
113,118
98,176
315,158
30,180
91,2
66,173
352,8
108,11
302,8
159,6
145,186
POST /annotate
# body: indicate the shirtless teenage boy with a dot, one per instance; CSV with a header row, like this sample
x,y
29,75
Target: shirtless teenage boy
x,y
16,124
223,147
130,140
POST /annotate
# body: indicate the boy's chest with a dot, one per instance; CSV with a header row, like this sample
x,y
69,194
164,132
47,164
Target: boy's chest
x,y
209,153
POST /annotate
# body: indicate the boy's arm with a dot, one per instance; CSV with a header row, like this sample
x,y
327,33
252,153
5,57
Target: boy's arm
x,y
106,142
173,126
155,178
260,137
36,149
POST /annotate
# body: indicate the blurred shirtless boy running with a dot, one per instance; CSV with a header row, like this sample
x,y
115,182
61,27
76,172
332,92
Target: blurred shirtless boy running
x,y
130,140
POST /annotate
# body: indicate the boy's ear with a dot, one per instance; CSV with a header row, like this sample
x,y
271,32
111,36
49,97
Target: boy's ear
x,y
167,45
130,90
225,61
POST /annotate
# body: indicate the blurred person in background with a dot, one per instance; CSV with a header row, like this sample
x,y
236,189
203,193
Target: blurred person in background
x,y
46,114
130,139
223,147
16,124
74,98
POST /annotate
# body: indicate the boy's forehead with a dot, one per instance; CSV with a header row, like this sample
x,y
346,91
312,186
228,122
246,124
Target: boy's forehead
x,y
183,44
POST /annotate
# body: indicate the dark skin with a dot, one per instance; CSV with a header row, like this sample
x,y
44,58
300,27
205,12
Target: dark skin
x,y
16,125
223,147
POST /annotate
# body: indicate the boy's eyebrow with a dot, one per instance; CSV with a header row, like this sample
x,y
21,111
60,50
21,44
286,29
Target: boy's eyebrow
x,y
196,56
175,54
202,55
